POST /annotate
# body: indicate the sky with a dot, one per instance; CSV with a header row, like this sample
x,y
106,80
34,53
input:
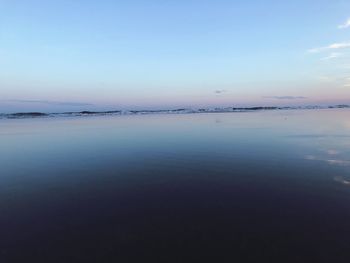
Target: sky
x,y
71,55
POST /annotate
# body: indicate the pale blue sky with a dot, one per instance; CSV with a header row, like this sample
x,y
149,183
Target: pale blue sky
x,y
67,55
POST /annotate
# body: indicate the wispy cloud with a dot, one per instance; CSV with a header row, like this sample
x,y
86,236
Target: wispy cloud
x,y
285,97
346,82
332,56
332,51
48,102
333,46
325,78
345,25
219,91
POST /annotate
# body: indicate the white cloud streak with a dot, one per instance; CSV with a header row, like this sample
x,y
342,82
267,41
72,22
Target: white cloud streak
x,y
285,97
332,56
334,46
345,25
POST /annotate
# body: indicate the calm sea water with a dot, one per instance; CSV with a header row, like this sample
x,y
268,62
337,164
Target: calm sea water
x,y
271,186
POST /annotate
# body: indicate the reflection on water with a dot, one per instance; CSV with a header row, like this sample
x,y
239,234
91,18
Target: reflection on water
x,y
250,186
342,180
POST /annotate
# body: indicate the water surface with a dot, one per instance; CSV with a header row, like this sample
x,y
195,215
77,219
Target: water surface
x,y
269,186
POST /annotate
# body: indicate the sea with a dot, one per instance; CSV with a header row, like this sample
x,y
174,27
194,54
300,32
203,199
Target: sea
x,y
258,186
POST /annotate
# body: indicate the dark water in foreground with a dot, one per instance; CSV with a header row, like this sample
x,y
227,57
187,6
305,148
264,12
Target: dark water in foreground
x,y
232,187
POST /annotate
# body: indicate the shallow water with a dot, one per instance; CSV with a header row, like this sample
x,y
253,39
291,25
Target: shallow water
x,y
268,186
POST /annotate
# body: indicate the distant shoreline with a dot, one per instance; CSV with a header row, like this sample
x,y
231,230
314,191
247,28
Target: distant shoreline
x,y
23,115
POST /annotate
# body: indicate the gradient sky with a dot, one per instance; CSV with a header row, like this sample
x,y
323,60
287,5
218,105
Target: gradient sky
x,y
84,54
